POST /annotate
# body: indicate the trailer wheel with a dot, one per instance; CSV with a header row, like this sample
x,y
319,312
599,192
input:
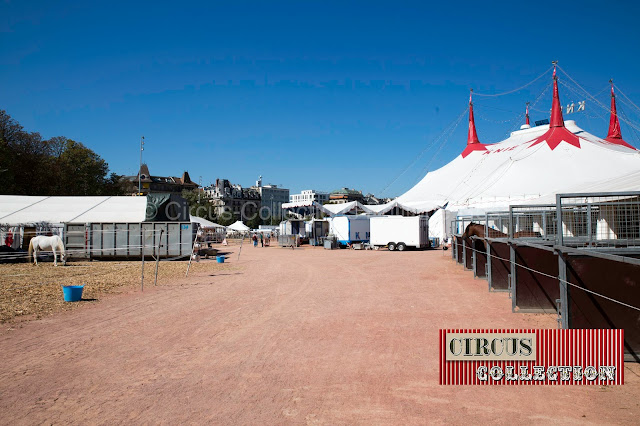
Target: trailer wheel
x,y
402,246
392,246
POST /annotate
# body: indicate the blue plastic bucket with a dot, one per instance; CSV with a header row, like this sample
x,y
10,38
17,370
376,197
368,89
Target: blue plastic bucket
x,y
72,293
220,259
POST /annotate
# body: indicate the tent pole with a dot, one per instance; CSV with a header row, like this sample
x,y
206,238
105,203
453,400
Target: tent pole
x,y
241,241
142,271
193,249
158,256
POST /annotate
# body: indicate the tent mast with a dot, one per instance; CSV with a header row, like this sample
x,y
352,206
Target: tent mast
x,y
614,135
472,137
473,143
556,108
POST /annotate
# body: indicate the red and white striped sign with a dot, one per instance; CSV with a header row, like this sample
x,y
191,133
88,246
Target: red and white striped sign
x,y
562,357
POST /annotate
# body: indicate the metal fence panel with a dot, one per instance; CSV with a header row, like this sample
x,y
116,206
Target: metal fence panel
x,y
599,220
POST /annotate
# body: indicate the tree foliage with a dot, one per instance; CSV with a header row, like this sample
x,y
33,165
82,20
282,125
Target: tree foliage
x,y
199,204
254,222
31,165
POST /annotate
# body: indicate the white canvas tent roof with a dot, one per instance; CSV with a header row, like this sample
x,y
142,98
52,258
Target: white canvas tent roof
x,y
204,223
516,172
343,208
330,209
385,208
19,209
529,167
238,226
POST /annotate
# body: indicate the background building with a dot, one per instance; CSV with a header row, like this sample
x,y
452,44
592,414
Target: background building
x,y
371,199
345,195
151,184
272,197
243,203
309,195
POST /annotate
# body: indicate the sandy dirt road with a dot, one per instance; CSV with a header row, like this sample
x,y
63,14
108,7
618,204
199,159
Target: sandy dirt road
x,y
305,336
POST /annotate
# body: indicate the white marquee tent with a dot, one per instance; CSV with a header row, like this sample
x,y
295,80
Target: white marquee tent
x,y
19,209
238,226
529,167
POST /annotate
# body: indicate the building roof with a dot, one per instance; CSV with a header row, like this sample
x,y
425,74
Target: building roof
x,y
346,191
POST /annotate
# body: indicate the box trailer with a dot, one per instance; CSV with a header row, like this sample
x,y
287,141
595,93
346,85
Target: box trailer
x,y
400,232
293,227
350,229
123,240
317,230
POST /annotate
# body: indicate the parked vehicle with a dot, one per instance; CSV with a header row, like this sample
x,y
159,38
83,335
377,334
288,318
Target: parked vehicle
x,y
400,232
349,229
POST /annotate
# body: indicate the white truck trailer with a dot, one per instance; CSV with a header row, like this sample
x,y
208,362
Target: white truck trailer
x,y
399,232
350,229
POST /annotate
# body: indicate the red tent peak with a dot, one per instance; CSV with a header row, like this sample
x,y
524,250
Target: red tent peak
x,y
556,109
614,135
472,136
614,123
473,144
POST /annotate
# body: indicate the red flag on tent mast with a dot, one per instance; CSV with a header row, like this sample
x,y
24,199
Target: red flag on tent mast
x,y
527,116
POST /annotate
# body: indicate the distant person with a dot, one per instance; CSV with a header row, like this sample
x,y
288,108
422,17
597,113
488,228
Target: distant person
x,y
255,240
261,240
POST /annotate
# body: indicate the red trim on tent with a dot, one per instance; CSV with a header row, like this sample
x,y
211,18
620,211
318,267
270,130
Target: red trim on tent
x,y
555,136
557,133
473,143
614,135
473,147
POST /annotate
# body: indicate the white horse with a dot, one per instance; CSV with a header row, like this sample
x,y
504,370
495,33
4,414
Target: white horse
x,y
52,243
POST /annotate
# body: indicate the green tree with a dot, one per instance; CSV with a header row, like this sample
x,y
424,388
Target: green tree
x,y
82,171
30,165
254,222
226,219
199,204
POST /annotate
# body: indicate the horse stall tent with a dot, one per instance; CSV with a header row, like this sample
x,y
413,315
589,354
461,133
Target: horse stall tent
x,y
101,226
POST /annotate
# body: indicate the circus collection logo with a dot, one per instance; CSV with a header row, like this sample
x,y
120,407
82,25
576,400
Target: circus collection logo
x,y
531,357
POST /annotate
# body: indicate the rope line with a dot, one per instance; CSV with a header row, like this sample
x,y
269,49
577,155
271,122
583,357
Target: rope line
x,y
453,124
597,102
625,96
442,144
515,90
554,277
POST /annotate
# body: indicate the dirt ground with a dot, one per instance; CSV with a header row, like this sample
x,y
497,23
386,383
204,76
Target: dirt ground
x,y
28,291
305,336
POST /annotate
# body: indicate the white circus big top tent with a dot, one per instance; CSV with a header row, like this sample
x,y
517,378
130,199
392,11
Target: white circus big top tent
x,y
529,167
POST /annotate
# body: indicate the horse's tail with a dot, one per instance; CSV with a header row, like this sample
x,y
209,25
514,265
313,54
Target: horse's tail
x,y
61,247
30,250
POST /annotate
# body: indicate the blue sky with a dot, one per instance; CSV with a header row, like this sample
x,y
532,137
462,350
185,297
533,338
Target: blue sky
x,y
308,94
